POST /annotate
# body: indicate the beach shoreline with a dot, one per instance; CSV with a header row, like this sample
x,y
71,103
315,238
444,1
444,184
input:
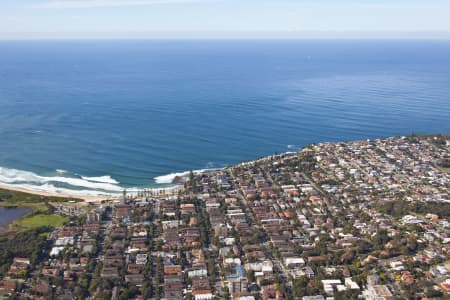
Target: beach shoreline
x,y
155,192
92,189
86,198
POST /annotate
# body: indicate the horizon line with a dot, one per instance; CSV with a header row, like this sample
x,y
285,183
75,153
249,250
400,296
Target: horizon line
x,y
223,35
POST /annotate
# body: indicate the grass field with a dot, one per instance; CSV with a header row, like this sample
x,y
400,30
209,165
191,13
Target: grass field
x,y
40,209
40,220
447,170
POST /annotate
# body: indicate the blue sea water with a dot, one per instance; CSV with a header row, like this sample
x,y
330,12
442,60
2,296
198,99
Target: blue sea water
x,y
103,115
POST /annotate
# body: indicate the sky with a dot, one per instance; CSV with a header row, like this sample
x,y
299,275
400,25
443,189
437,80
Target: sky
x,y
23,19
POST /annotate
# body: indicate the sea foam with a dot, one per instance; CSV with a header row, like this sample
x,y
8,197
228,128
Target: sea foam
x,y
169,178
76,185
30,180
103,179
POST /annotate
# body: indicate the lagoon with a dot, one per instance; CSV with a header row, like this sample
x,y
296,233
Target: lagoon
x,y
10,214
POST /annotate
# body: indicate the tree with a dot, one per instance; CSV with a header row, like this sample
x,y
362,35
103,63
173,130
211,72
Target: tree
x,y
346,295
147,290
380,239
104,295
364,246
251,276
299,287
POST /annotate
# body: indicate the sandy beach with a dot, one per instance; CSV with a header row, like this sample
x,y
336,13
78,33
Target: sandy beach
x,y
87,198
157,192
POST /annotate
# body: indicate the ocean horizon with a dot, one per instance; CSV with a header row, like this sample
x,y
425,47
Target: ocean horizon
x,y
96,117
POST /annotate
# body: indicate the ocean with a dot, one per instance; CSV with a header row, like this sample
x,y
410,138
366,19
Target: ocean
x,y
95,117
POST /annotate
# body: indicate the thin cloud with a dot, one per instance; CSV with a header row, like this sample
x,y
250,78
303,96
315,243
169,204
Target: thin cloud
x,y
109,3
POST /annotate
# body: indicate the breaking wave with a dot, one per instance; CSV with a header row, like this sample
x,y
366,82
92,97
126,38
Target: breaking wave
x,y
103,179
68,183
63,183
169,178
